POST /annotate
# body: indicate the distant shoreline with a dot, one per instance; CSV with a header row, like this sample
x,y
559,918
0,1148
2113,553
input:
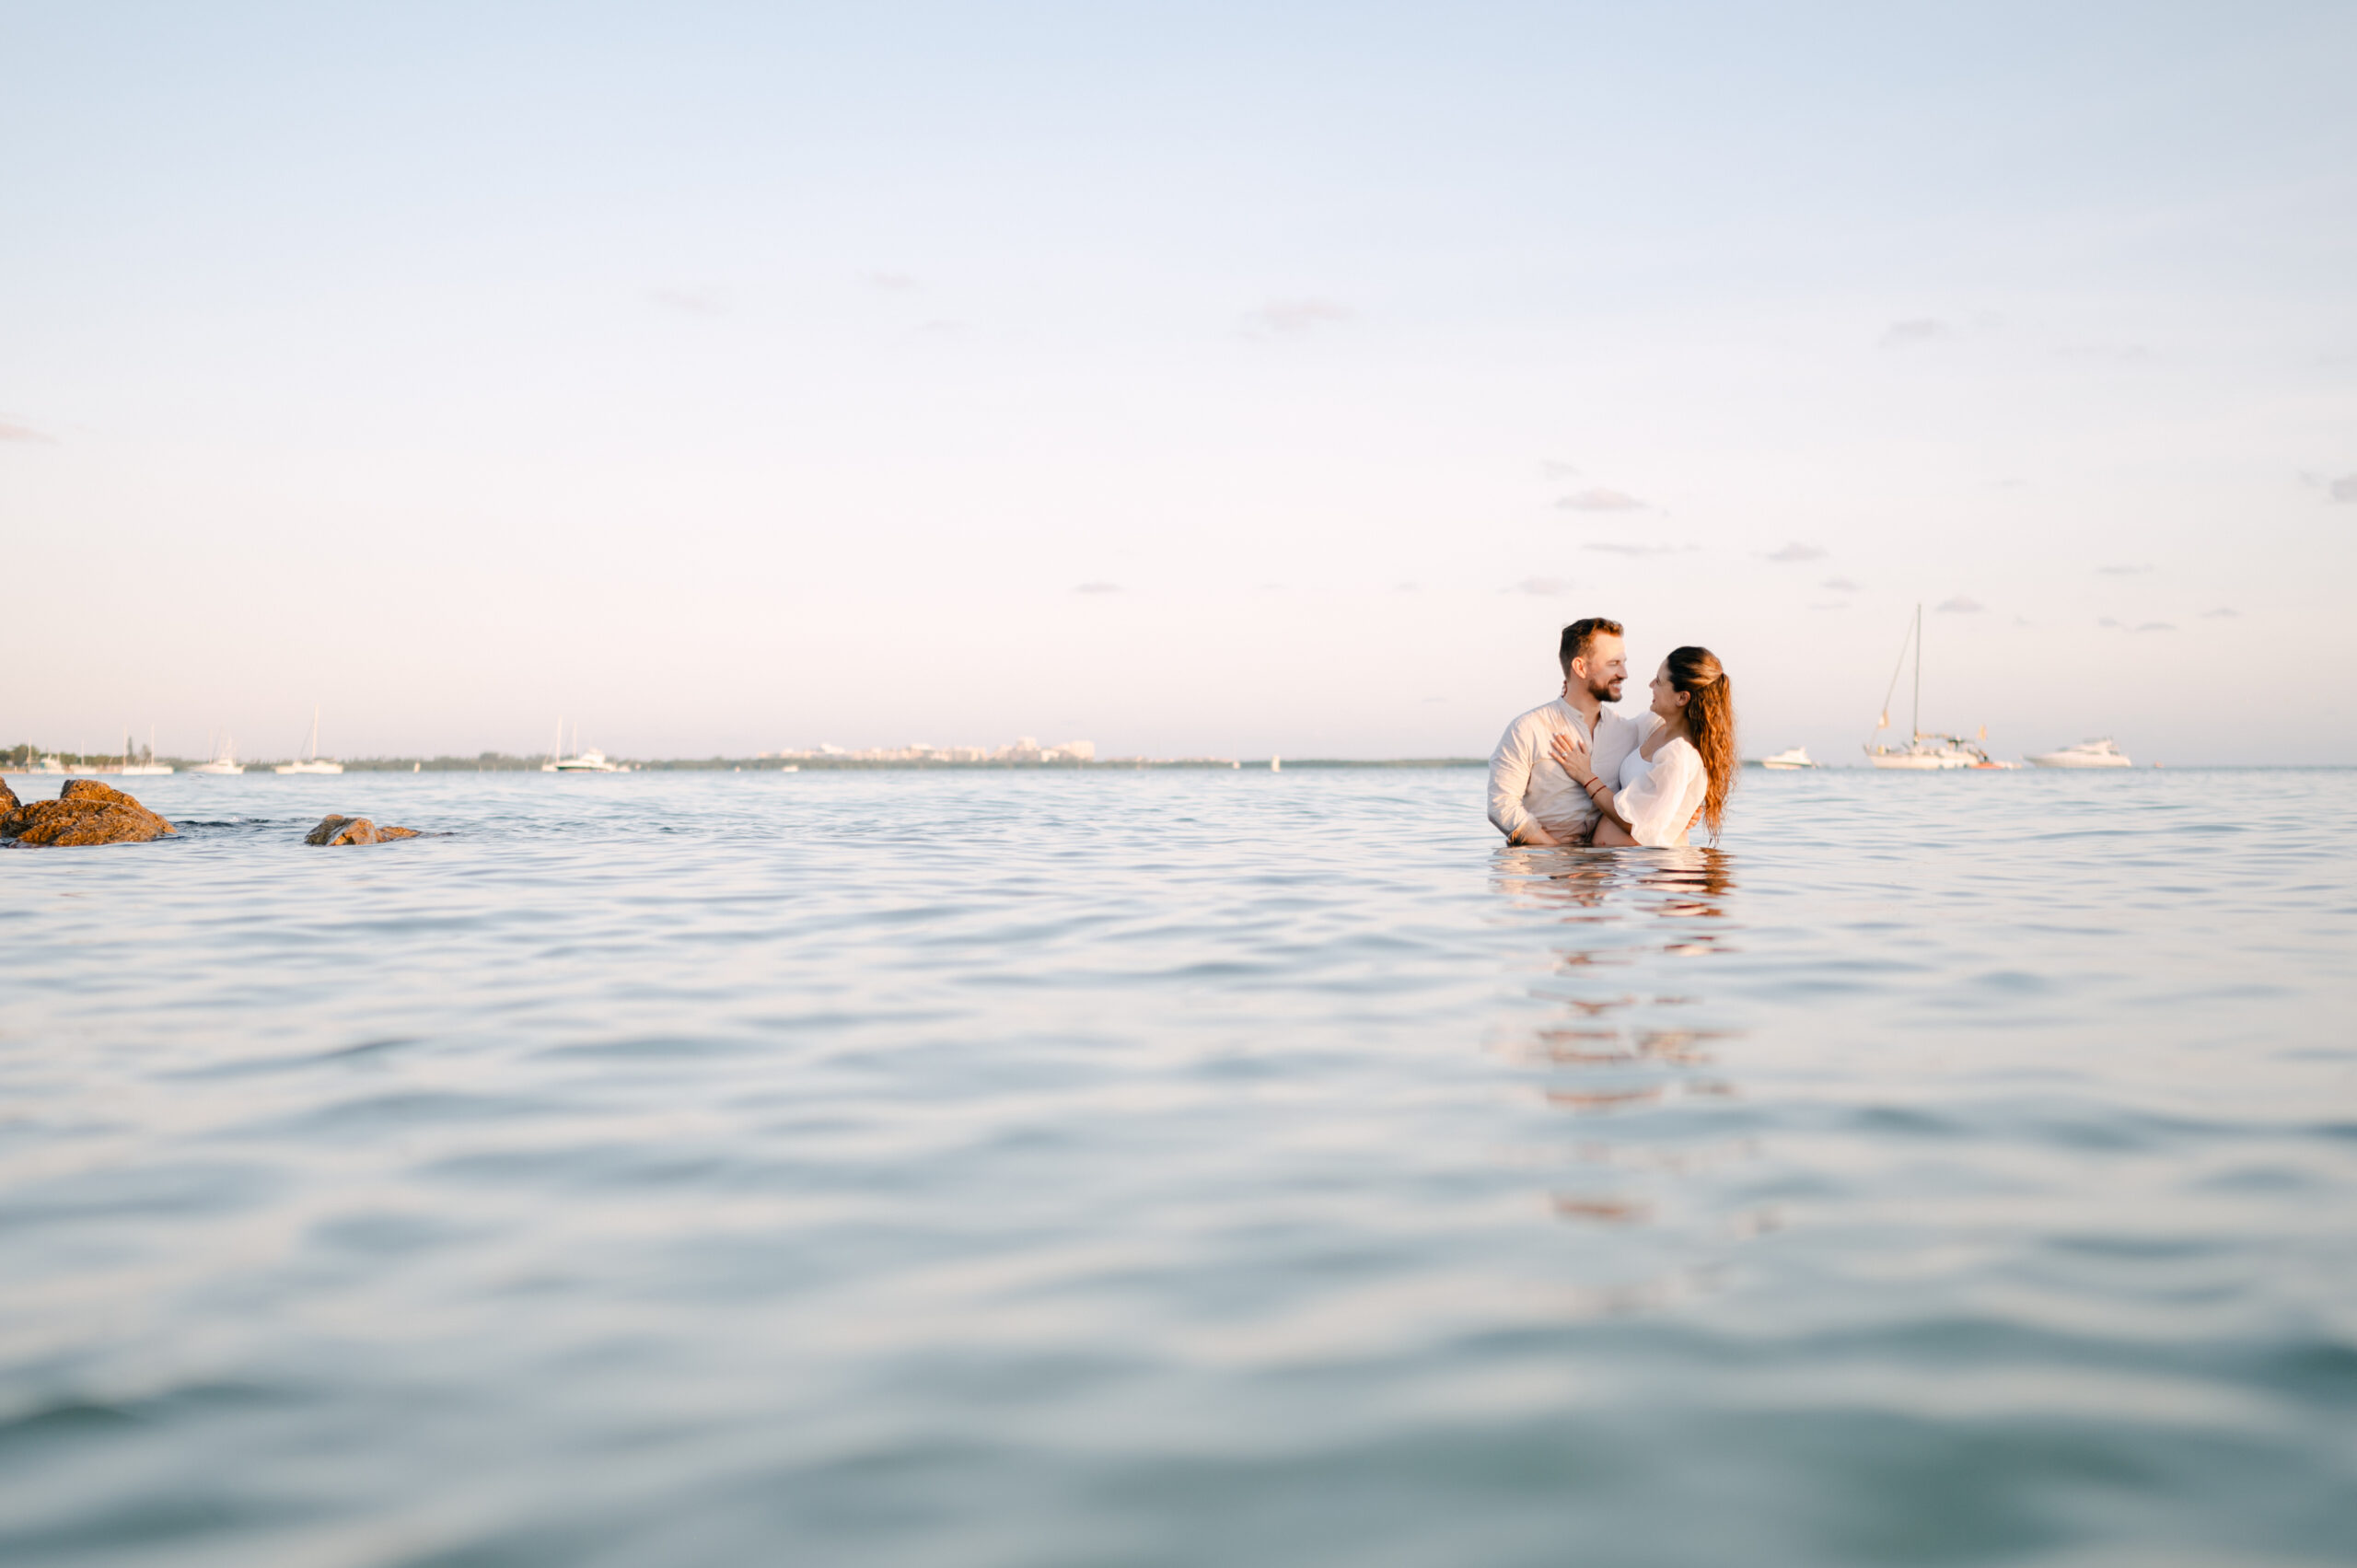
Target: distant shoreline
x,y
503,763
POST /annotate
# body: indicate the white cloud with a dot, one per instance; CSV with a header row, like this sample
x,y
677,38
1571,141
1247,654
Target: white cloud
x,y
1600,500
1960,606
2156,626
1291,317
2344,489
1919,330
696,301
1796,550
1840,585
2220,613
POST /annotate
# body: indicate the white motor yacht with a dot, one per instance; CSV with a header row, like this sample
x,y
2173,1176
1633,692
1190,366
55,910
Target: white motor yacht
x,y
2103,753
223,763
590,762
52,765
1797,756
311,762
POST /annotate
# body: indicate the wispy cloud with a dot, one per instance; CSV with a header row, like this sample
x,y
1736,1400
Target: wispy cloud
x,y
11,430
1960,606
2114,354
2220,613
2344,489
1611,547
1542,587
1292,318
1098,588
691,301
2121,571
1917,329
891,281
2108,621
1840,585
1797,551
1600,500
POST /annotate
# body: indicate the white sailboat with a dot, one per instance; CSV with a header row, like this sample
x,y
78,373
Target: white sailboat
x,y
148,769
590,762
310,761
1797,756
1922,753
224,760
2103,753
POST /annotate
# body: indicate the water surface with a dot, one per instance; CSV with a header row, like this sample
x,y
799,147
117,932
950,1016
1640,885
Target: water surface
x,y
1003,1168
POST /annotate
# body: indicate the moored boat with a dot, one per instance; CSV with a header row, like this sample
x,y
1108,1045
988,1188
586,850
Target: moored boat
x,y
224,760
1797,756
311,762
2101,753
1922,752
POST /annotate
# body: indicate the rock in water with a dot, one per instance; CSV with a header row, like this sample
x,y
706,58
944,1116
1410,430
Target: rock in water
x,y
85,812
9,801
354,830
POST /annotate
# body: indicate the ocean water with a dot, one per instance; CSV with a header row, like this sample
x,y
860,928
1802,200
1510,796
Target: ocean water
x,y
1183,1168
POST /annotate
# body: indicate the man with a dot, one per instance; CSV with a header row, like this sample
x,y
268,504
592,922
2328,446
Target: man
x,y
1532,800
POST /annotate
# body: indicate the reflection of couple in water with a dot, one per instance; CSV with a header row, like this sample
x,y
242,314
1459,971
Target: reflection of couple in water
x,y
1572,773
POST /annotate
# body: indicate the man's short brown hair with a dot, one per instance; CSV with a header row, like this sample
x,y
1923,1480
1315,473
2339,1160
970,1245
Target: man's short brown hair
x,y
1579,634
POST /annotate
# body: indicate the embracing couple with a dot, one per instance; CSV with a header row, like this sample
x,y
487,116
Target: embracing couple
x,y
1572,773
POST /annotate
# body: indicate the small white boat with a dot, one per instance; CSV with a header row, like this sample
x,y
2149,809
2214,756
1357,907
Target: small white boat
x,y
223,761
148,769
52,765
2103,753
1922,753
1797,756
311,762
590,762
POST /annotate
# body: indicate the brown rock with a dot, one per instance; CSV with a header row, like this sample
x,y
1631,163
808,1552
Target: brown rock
x,y
85,812
91,789
354,830
9,801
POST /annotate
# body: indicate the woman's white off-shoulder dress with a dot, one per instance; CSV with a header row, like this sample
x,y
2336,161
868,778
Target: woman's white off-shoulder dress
x,y
1659,794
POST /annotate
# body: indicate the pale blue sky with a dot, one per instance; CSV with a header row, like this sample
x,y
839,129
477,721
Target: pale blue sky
x,y
1187,378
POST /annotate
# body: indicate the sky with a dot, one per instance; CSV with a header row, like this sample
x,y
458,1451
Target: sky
x,y
1193,378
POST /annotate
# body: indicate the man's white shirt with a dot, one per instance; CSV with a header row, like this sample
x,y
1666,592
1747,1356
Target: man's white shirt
x,y
1525,781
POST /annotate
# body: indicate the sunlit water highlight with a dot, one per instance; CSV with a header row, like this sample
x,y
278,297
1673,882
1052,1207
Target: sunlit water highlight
x,y
1182,1168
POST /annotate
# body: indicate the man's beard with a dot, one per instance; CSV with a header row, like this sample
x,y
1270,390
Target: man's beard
x,y
1605,690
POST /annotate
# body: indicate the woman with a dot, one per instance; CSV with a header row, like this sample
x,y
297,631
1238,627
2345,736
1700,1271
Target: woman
x,y
1680,772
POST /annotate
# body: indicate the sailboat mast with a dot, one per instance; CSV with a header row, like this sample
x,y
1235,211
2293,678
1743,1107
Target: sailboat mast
x,y
1918,723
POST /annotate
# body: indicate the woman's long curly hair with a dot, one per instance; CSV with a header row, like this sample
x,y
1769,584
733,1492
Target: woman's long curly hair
x,y
1710,723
